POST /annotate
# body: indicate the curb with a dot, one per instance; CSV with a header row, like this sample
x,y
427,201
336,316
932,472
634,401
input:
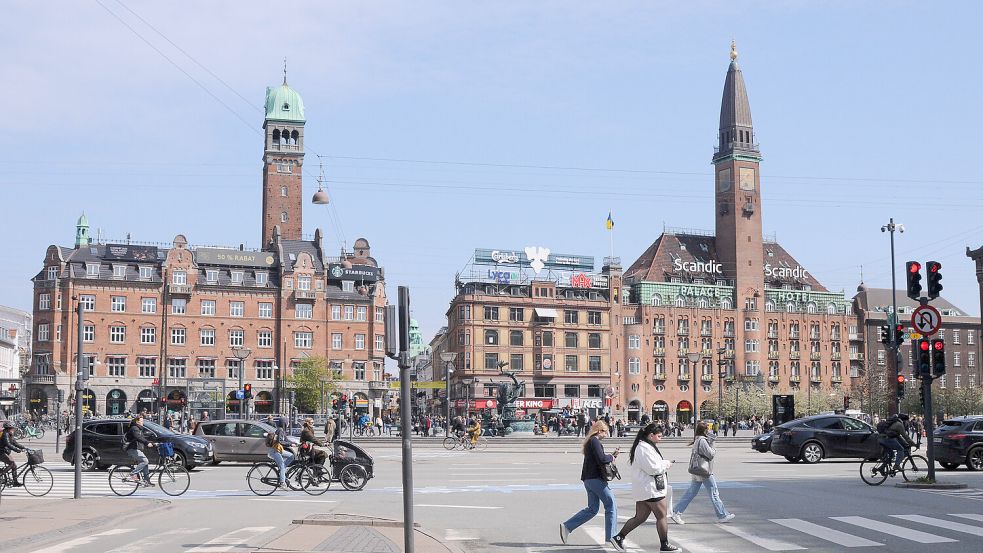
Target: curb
x,y
84,526
935,486
349,519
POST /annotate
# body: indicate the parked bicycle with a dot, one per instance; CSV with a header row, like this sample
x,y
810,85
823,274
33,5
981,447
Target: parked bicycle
x,y
28,430
35,479
875,471
463,442
172,477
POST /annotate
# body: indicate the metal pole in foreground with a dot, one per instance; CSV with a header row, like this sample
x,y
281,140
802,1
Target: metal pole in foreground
x,y
79,386
894,406
929,425
405,390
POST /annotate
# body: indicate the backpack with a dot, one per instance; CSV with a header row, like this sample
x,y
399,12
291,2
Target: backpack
x,y
882,426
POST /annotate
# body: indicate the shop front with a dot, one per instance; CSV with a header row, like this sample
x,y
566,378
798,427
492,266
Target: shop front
x,y
263,403
634,411
147,399
660,411
39,401
88,402
116,402
684,411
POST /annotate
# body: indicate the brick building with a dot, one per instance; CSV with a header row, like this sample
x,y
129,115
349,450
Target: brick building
x,y
171,323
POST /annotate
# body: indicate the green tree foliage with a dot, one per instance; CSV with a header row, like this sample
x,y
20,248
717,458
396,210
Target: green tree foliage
x,y
309,379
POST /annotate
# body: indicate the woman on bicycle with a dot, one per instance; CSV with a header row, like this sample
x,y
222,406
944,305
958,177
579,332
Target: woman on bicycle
x,y
318,455
8,445
280,455
134,442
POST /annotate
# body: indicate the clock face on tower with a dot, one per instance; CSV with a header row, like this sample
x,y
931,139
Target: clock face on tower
x,y
723,180
747,178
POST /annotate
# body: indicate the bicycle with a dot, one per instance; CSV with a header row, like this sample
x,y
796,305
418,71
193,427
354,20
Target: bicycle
x,y
875,471
172,478
463,442
28,430
264,477
35,479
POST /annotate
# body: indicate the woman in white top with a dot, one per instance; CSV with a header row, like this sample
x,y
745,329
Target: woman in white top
x,y
649,484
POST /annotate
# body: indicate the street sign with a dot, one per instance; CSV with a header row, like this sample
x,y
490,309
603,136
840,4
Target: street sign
x,y
926,320
912,336
239,394
425,384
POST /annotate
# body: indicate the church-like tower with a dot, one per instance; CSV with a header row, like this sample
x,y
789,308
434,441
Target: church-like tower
x,y
283,160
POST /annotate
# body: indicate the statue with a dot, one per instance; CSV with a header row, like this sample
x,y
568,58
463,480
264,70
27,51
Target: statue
x,y
507,394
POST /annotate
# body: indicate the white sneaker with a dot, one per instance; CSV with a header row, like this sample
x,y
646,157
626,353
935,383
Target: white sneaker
x,y
677,518
564,533
726,518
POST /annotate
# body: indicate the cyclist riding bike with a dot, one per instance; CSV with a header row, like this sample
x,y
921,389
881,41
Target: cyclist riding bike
x,y
133,443
893,436
8,445
318,455
474,430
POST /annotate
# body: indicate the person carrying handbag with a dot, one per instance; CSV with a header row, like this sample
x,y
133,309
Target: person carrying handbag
x,y
649,486
701,467
596,485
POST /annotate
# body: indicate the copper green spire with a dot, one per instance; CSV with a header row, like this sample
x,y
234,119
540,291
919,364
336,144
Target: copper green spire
x,y
736,135
82,231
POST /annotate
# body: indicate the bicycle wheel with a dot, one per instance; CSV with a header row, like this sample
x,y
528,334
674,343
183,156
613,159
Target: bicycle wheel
x,y
482,444
39,433
295,477
37,480
914,467
316,480
353,477
450,442
120,481
262,478
173,479
874,473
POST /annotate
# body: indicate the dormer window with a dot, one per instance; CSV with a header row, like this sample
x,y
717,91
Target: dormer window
x,y
261,279
119,271
286,106
146,273
92,270
236,277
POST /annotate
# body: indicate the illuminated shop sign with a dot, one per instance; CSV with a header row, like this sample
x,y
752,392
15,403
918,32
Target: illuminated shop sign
x,y
504,256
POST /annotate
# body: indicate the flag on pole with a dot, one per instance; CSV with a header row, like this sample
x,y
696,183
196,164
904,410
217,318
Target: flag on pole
x,y
609,224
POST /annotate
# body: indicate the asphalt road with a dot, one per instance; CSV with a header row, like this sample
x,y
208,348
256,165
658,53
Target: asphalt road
x,y
513,496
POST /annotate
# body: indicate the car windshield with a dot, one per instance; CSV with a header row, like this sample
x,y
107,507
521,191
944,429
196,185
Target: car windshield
x,y
951,424
158,429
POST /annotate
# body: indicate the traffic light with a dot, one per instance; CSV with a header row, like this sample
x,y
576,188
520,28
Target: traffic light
x,y
885,338
846,402
900,386
913,270
934,269
334,404
247,391
898,335
921,396
924,359
938,357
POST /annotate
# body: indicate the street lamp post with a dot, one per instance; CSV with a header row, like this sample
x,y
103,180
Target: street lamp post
x,y
893,345
694,358
448,358
722,374
241,354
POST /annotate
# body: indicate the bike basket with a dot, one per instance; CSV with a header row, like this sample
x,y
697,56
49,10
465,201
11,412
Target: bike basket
x,y
165,449
35,457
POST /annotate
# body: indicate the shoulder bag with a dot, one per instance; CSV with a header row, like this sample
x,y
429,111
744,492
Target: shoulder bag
x,y
698,464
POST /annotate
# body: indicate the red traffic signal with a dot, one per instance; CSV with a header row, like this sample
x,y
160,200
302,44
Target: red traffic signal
x,y
914,267
923,344
938,345
901,379
913,270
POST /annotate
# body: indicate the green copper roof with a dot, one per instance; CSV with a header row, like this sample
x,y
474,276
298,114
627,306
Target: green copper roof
x,y
83,221
284,104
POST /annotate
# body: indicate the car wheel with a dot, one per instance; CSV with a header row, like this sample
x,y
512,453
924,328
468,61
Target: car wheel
x,y
974,460
949,466
791,459
215,463
180,459
812,452
89,460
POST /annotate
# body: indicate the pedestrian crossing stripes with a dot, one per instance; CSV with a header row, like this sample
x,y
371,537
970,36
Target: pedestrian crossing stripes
x,y
176,539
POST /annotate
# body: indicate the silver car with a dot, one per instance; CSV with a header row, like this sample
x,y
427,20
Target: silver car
x,y
237,440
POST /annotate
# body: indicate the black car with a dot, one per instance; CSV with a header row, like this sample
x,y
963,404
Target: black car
x,y
817,437
762,442
102,445
959,440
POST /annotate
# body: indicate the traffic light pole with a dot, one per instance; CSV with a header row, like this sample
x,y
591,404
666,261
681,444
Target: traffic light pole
x,y
79,386
929,425
895,406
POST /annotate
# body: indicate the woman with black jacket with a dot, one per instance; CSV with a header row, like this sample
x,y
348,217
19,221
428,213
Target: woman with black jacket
x,y
597,487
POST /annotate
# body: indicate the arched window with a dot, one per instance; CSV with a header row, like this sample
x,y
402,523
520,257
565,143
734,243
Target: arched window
x,y
294,136
283,217
811,307
656,300
790,307
725,303
276,137
770,305
681,301
634,365
283,191
704,303
831,309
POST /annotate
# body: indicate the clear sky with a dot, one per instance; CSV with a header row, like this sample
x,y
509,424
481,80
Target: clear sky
x,y
446,126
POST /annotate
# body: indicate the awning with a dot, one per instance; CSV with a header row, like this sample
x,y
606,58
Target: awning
x,y
545,312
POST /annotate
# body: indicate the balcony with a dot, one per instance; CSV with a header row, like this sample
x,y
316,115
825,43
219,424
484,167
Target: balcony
x,y
853,337
682,331
378,385
659,375
834,337
772,355
816,379
773,379
835,356
706,332
793,335
815,356
794,378
659,330
773,334
707,378
683,352
179,289
305,295
708,353
728,354
837,379
41,379
728,333
683,377
794,355
659,352
813,336
856,357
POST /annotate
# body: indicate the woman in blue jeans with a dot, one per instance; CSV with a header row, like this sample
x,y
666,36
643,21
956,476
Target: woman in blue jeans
x,y
702,447
597,487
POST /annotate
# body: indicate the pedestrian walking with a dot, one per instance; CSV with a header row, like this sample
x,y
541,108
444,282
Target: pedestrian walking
x,y
329,427
702,450
649,485
597,487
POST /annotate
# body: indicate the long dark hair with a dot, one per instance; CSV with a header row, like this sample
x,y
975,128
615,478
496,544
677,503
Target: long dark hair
x,y
643,434
701,430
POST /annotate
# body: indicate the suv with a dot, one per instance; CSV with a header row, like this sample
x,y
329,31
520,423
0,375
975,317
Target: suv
x,y
959,440
818,437
102,445
237,440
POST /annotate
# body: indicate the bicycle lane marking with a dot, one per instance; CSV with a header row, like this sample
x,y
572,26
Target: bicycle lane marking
x,y
71,544
158,539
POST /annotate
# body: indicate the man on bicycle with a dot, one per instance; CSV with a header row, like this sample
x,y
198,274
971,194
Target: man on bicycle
x,y
8,445
134,442
893,437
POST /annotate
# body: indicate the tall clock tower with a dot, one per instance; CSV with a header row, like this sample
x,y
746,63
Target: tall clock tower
x,y
283,160
738,205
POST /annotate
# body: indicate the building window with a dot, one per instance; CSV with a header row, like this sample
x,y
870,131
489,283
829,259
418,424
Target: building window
x,y
360,341
117,334
594,363
594,340
491,337
570,339
147,367
517,314
750,346
971,359
206,368
58,333
751,368
88,333
265,310
515,362
463,338
359,371
146,272
92,270
380,342
464,312
570,363
955,337
88,302
349,312
264,370
347,286
634,365
44,301
304,340
261,278
593,317
236,337
547,339
232,366
264,338
304,311
148,335
52,273
751,324
283,217
970,337
237,308
148,305
571,316
571,390
207,307
336,341
304,282
380,314
634,341
179,306
955,359
491,361
491,313
335,312
515,337
361,313
207,336
177,368
178,336
43,332
179,278
211,276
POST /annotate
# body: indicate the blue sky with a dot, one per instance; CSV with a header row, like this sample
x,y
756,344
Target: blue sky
x,y
447,126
